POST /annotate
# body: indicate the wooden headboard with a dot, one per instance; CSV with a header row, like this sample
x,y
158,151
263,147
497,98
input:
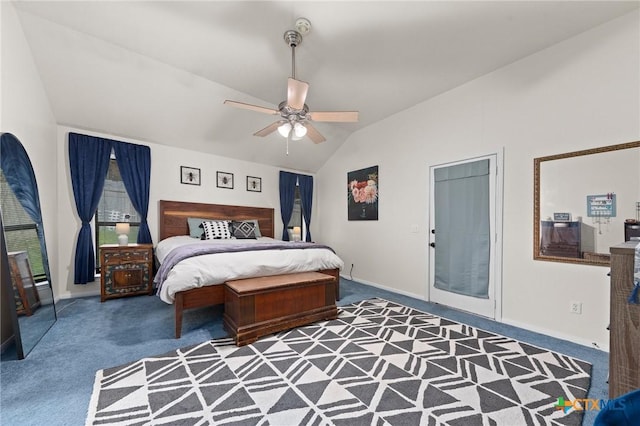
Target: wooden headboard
x,y
174,214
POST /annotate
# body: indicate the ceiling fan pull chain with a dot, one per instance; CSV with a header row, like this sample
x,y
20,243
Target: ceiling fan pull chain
x,y
288,137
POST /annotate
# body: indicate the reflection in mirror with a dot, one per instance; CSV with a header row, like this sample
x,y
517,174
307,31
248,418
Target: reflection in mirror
x,y
28,283
585,202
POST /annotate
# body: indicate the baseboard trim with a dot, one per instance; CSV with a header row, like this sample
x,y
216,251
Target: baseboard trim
x,y
593,345
78,295
382,287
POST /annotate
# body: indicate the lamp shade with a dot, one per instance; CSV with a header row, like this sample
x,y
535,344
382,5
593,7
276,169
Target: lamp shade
x,y
295,233
122,228
284,129
299,130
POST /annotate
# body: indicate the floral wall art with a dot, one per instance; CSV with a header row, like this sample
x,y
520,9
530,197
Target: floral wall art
x,y
362,194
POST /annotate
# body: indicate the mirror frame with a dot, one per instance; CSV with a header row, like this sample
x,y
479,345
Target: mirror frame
x,y
536,200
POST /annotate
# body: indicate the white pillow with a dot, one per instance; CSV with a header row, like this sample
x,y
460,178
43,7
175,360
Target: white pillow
x,y
216,230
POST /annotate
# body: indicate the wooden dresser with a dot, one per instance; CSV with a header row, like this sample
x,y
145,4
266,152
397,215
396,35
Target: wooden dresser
x,y
624,337
125,270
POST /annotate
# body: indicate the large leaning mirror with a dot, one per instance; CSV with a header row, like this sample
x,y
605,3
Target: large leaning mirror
x,y
585,202
26,280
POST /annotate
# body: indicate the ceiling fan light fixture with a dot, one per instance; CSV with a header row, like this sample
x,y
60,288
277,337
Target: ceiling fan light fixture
x,y
295,121
299,130
284,129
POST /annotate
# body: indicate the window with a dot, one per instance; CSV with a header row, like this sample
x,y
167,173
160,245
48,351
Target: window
x,y
114,207
20,230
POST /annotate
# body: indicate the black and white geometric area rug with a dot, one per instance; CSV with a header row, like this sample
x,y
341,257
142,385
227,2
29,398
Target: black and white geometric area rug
x,y
379,363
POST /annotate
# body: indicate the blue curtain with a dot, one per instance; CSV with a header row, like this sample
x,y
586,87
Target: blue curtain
x,y
134,162
89,163
287,194
18,171
306,195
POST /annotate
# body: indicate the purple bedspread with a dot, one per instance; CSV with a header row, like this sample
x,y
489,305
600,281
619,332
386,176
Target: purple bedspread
x,y
190,250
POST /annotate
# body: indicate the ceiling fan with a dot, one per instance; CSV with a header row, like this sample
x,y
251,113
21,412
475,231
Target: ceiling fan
x,y
295,116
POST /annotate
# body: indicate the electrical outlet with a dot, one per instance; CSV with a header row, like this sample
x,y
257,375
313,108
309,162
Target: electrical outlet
x,y
575,307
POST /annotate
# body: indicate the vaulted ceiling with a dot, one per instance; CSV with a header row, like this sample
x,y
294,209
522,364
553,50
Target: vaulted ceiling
x,y
159,71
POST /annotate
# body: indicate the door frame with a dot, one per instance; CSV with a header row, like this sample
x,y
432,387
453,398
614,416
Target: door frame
x,y
496,261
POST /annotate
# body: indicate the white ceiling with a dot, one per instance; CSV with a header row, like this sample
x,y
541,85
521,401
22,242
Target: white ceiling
x,y
159,71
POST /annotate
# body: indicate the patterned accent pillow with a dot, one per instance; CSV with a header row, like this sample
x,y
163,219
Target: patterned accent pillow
x,y
216,230
243,230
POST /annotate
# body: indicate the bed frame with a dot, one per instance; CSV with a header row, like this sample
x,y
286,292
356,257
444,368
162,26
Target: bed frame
x,y
173,222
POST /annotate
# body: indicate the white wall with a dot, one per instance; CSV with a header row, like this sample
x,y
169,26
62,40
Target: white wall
x,y
165,185
579,94
25,112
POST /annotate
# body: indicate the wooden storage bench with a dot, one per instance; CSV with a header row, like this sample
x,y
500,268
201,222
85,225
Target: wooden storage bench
x,y
255,307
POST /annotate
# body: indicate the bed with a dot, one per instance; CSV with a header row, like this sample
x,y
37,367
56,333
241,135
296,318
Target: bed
x,y
173,222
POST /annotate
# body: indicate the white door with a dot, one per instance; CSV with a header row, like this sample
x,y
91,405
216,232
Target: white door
x,y
465,220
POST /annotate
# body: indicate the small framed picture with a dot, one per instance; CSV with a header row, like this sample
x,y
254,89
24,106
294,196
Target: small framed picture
x,y
254,184
189,175
224,180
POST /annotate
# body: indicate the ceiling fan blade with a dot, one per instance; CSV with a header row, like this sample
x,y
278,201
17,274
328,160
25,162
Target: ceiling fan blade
x,y
313,134
269,129
296,93
251,107
337,116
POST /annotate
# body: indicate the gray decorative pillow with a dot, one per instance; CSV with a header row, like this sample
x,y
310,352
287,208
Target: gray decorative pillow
x,y
195,230
243,230
216,230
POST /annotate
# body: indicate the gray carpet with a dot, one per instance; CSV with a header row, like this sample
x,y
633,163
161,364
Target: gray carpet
x,y
379,363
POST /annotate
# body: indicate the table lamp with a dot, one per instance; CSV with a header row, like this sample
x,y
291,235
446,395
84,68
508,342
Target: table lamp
x,y
296,233
122,229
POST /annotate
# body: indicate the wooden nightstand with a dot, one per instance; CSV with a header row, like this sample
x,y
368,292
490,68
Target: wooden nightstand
x,y
125,270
